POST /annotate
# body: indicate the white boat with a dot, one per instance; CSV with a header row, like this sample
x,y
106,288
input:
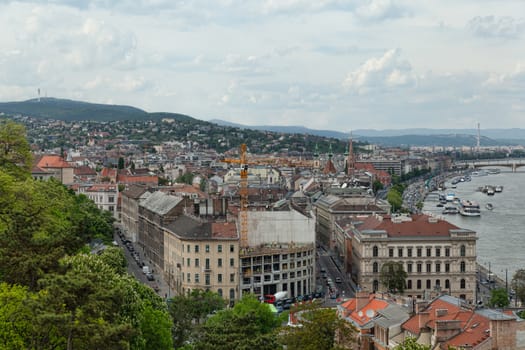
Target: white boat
x,y
469,208
498,189
494,171
450,196
479,173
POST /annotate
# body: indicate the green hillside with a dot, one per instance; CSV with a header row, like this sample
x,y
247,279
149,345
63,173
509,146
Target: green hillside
x,y
69,110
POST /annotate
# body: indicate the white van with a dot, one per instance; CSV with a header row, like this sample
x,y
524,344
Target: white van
x,y
145,269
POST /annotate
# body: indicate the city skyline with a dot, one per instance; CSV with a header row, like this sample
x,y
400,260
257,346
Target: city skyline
x,y
337,65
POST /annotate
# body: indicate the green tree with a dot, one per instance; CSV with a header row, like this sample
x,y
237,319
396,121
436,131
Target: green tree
x,y
16,316
499,298
518,284
187,312
186,178
393,276
411,344
15,153
321,329
394,199
121,163
228,329
377,186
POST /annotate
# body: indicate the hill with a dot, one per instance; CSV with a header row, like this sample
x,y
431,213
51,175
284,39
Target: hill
x,y
69,110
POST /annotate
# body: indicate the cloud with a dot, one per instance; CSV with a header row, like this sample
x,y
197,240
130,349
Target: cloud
x,y
387,71
378,10
493,27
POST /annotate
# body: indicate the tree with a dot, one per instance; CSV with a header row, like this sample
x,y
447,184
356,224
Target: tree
x,y
15,153
499,298
121,164
411,344
228,329
16,317
186,178
188,311
377,186
394,198
320,328
518,284
393,276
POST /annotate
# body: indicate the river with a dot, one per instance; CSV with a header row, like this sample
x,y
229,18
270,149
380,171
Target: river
x,y
501,231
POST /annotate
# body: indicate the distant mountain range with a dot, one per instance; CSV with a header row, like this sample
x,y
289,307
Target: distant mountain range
x,y
70,110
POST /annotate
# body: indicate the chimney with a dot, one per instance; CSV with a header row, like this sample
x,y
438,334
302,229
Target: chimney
x,y
423,318
361,299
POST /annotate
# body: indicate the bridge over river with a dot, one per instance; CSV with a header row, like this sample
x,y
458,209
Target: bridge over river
x,y
513,164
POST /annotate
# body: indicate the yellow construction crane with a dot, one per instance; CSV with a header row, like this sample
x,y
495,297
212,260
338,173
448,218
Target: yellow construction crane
x,y
243,189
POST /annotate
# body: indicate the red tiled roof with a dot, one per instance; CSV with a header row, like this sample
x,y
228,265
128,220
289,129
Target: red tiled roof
x,y
131,179
52,161
419,226
360,317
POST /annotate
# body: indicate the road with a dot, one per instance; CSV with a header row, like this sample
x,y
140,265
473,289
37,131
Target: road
x,y
326,261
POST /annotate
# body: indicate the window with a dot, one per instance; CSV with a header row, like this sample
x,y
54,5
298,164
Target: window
x,y
232,262
219,291
285,276
419,267
188,261
462,250
219,278
447,267
188,277
375,251
375,267
207,263
429,267
447,283
111,199
285,256
409,252
438,267
462,283
196,278
418,284
207,279
429,284
462,267
232,277
447,251
438,251
197,262
219,262
375,285
207,248
196,248
409,284
400,252
419,252
232,248
111,208
232,294
391,252
429,251
188,248
409,267
219,248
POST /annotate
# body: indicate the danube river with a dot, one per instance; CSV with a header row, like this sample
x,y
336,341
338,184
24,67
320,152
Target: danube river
x,y
501,231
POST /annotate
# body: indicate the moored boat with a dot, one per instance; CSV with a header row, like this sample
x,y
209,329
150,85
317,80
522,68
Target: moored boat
x,y
469,208
450,209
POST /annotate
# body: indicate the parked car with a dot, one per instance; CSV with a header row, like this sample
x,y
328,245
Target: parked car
x,y
338,280
150,277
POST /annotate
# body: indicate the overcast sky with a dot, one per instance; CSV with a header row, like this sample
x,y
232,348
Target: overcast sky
x,y
325,64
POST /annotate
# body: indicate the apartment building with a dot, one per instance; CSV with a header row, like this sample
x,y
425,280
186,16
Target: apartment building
x,y
129,213
199,254
437,255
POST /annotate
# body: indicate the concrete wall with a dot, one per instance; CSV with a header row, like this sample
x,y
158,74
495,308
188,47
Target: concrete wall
x,y
280,227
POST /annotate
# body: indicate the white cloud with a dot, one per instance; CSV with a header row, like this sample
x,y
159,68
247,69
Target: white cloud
x,y
377,73
493,27
380,10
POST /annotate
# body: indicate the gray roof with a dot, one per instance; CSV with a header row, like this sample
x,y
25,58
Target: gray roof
x,y
495,315
160,202
135,191
392,315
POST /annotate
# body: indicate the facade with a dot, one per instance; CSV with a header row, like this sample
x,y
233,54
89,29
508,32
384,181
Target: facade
x,y
390,165
202,255
281,252
129,213
155,212
331,208
436,255
55,166
105,196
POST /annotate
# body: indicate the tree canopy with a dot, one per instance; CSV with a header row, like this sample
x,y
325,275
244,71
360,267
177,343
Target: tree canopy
x,y
499,298
518,284
393,276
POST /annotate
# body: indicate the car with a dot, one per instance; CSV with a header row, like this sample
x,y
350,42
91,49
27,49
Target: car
x,y
324,275
323,270
150,277
338,280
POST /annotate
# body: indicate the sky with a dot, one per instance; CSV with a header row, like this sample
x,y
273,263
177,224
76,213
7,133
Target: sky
x,y
323,64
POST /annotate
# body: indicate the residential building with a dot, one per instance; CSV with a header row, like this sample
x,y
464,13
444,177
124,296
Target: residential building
x,y
437,255
199,254
55,166
104,195
129,213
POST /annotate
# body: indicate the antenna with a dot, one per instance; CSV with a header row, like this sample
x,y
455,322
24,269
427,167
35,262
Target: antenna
x,y
38,90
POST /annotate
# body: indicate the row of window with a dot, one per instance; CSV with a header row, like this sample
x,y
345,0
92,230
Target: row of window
x,y
207,278
418,251
206,248
207,262
419,284
428,267
276,277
